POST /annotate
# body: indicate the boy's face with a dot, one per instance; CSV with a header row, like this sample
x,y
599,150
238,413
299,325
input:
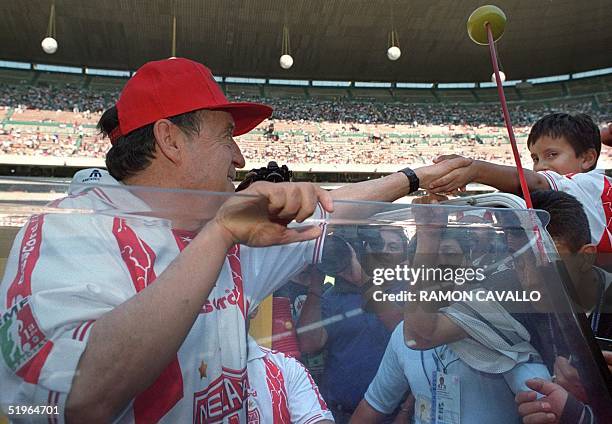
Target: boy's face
x,y
558,155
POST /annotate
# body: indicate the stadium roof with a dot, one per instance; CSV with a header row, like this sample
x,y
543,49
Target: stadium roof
x,y
330,39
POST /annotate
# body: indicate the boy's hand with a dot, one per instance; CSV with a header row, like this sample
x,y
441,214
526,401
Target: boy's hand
x,y
456,179
566,375
546,410
430,173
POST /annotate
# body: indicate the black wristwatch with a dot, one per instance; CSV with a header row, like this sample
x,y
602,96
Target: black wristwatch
x,y
412,179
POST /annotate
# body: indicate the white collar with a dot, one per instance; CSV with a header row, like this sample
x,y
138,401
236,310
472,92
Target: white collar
x,y
254,350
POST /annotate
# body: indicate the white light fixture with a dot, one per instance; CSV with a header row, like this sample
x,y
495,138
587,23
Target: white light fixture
x,y
393,52
49,43
502,76
286,60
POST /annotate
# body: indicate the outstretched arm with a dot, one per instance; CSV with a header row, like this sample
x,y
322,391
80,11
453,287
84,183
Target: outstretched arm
x,y
394,186
502,177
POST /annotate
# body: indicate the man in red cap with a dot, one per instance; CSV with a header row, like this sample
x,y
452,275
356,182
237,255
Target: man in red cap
x,y
102,342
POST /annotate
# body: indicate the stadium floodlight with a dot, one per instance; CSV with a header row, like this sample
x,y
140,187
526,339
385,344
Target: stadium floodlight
x,y
286,60
49,43
393,52
502,76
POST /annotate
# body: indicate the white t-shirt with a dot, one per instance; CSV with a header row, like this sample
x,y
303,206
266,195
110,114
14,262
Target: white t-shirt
x,y
594,190
64,271
484,398
281,391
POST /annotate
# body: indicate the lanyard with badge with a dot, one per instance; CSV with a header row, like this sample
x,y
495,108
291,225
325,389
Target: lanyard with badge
x,y
444,407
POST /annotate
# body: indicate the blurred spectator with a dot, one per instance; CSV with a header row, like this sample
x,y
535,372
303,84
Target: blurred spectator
x,y
301,131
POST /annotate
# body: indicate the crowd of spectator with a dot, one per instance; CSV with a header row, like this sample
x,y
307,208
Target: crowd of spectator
x,y
60,122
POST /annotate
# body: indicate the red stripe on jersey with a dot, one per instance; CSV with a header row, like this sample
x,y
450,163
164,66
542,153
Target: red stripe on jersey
x,y
314,387
98,191
50,416
56,202
85,329
314,419
76,331
137,255
28,255
151,405
30,372
278,393
605,244
52,400
183,238
159,398
233,256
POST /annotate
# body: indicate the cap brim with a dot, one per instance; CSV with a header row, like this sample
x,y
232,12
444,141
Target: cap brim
x,y
246,115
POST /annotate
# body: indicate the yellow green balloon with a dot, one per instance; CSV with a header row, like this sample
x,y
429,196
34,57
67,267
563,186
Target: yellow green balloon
x,y
479,17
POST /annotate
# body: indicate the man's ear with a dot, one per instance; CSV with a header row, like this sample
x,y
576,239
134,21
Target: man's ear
x,y
589,159
168,140
588,255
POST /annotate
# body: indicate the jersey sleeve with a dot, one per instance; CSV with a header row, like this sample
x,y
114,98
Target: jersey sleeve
x,y
60,277
591,189
267,269
389,385
306,406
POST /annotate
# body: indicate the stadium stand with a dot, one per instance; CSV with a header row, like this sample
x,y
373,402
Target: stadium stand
x,y
54,115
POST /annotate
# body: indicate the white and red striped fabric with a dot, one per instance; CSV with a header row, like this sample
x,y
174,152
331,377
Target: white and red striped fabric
x,y
281,391
594,190
66,270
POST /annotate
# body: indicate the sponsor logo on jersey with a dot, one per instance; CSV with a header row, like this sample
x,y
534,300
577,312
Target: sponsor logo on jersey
x,y
223,397
20,337
221,303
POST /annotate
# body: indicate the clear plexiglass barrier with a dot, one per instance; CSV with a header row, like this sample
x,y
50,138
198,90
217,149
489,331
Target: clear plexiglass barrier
x,y
392,313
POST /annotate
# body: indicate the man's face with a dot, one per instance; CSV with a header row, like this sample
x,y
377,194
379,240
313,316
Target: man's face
x,y
212,156
556,154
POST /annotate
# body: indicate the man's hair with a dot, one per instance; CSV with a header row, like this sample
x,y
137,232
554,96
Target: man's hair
x,y
568,221
578,129
134,151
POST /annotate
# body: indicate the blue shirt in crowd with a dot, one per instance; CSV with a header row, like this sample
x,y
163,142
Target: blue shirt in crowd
x,y
356,342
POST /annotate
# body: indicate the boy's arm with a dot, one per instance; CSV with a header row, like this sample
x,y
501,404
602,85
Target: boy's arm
x,y
502,177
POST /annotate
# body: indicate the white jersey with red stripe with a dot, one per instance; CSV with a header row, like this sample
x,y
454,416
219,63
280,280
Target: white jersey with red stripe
x,y
281,390
594,190
66,270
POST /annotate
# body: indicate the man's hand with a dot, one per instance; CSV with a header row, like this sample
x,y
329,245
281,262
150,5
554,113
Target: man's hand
x,y
567,377
262,220
451,163
456,178
546,410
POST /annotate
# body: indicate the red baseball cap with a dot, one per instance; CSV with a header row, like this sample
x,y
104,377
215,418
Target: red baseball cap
x,y
170,87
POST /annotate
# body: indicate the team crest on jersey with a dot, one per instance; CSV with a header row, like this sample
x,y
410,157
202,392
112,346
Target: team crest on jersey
x,y
20,337
223,397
